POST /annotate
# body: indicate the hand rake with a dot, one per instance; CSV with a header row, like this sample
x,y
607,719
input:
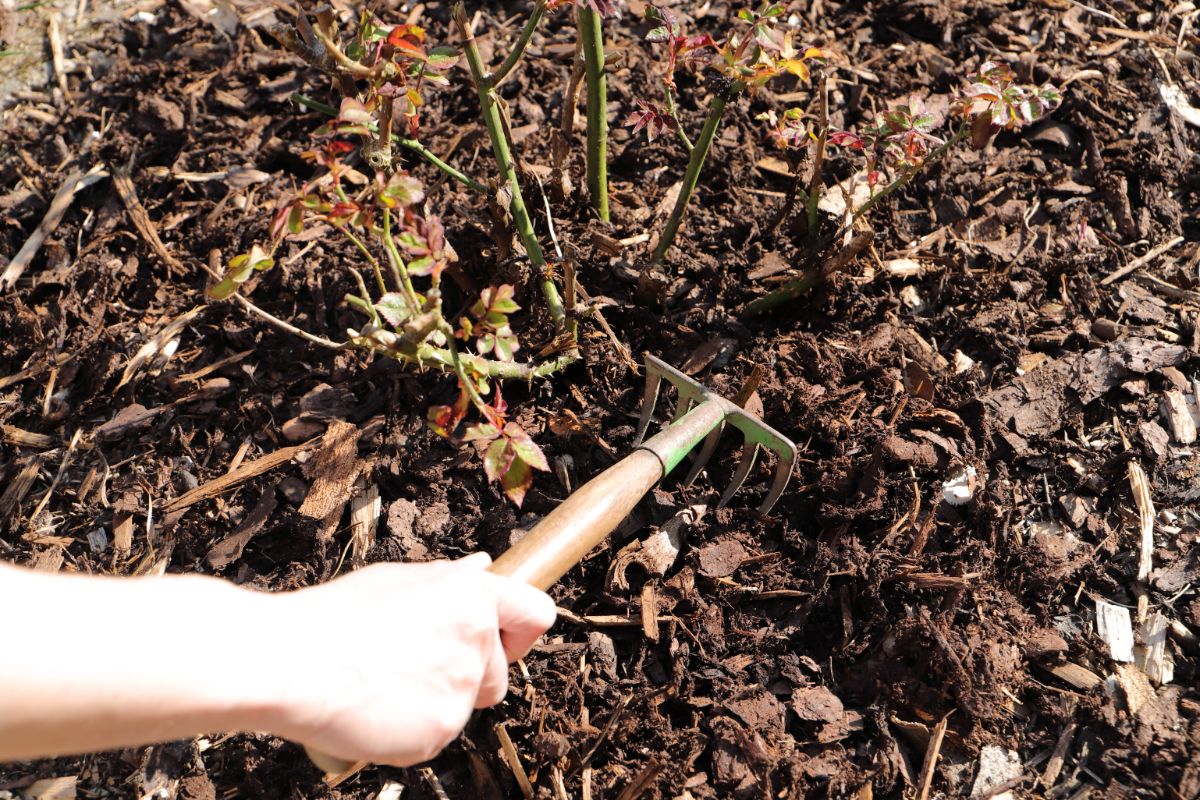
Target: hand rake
x,y
568,533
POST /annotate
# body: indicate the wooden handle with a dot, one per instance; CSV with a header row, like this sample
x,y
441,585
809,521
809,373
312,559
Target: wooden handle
x,y
569,532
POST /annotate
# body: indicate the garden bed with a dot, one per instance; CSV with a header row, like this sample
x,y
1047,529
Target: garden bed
x,y
1026,320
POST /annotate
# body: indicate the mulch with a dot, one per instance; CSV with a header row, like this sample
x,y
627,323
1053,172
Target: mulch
x,y
997,487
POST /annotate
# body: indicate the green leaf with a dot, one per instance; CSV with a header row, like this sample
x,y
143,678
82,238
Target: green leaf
x,y
393,308
516,482
498,459
442,58
355,112
484,431
295,219
504,348
525,448
223,290
421,266
402,190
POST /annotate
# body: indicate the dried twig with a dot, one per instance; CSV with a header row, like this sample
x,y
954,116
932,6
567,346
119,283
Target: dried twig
x,y
141,220
1055,764
54,34
1141,261
75,183
931,757
223,483
514,760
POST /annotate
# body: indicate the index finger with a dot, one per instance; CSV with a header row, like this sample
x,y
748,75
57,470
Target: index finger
x,y
524,614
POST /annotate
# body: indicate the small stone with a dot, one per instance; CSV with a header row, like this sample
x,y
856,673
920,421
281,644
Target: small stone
x,y
301,429
721,559
293,490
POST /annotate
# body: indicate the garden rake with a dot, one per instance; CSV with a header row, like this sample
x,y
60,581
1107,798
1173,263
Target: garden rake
x,y
568,533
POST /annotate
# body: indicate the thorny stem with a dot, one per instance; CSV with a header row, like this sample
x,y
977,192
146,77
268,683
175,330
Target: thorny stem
x,y
399,271
591,34
519,47
427,354
346,62
409,144
906,178
695,164
508,170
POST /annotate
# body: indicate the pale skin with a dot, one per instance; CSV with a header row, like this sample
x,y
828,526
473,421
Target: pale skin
x,y
384,664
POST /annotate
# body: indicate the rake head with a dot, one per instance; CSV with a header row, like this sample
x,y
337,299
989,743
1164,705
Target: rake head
x,y
701,406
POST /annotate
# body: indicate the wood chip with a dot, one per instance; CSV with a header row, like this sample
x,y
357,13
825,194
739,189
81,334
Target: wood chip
x,y
929,766
364,520
23,438
1077,676
51,789
333,471
18,487
1133,685
649,612
1173,405
1115,628
1152,655
229,549
1145,508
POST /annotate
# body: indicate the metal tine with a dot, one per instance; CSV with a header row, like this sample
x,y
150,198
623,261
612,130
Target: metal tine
x,y
710,446
682,407
739,477
649,400
783,473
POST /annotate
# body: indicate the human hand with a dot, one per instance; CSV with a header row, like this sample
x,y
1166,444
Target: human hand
x,y
408,651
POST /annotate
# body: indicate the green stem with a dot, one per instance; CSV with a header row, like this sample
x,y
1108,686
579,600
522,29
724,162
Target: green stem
x,y
464,379
673,112
399,271
695,164
508,169
504,370
518,48
809,279
905,179
409,144
591,34
370,258
784,294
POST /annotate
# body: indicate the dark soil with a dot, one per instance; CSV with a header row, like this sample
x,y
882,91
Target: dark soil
x,y
810,653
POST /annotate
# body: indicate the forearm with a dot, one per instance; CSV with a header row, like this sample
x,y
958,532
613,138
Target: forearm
x,y
98,663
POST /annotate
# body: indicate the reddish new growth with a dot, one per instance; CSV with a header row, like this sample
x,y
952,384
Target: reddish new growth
x,y
994,103
902,139
652,119
605,8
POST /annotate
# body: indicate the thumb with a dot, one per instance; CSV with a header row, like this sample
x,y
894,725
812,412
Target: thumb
x,y
480,560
